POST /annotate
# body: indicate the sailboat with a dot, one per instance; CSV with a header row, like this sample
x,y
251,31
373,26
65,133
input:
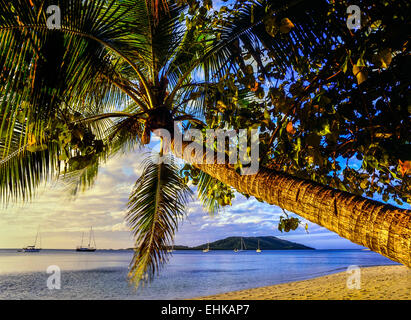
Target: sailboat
x,y
89,248
258,247
34,248
170,249
208,247
242,246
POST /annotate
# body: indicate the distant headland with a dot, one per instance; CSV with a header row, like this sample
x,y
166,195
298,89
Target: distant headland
x,y
250,243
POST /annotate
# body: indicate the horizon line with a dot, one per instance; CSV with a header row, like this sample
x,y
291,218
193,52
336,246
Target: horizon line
x,y
192,248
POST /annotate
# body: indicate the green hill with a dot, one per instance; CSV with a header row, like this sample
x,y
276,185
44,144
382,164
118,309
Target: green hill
x,y
266,243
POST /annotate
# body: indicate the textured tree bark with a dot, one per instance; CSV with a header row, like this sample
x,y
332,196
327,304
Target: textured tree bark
x,y
381,227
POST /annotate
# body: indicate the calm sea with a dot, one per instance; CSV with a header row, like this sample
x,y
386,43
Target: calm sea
x,y
103,274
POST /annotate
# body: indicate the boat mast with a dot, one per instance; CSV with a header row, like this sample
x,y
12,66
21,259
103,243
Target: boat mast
x,y
241,244
82,237
35,241
89,236
94,239
243,247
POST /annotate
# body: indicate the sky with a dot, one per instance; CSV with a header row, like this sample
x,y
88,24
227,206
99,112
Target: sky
x,y
61,220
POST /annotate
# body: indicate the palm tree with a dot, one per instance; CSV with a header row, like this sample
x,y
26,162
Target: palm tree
x,y
118,70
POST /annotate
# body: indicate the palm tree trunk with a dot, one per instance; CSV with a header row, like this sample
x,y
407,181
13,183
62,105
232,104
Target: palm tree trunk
x,y
381,227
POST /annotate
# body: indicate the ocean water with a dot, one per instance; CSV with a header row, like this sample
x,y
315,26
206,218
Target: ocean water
x,y
103,274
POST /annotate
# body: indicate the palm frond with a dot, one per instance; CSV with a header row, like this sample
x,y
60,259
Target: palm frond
x,y
155,207
205,182
27,166
80,180
23,171
249,26
45,71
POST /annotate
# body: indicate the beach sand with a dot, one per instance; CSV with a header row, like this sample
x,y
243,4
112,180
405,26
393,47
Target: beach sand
x,y
377,283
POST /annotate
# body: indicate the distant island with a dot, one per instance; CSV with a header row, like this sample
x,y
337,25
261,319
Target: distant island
x,y
251,243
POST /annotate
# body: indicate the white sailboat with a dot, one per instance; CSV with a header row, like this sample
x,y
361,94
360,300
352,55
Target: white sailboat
x,y
242,246
258,247
34,248
89,248
208,247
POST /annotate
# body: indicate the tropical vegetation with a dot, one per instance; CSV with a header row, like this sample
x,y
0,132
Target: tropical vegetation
x,y
331,105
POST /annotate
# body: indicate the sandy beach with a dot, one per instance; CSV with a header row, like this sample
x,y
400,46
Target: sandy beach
x,y
376,283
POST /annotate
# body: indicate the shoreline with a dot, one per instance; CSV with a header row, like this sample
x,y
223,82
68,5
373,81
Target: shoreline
x,y
376,283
